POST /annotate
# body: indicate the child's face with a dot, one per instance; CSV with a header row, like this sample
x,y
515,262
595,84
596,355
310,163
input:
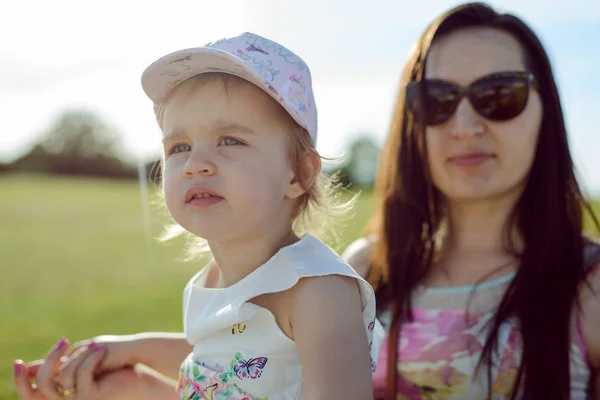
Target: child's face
x,y
232,143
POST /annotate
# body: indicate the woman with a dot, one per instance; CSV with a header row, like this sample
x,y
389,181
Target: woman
x,y
477,244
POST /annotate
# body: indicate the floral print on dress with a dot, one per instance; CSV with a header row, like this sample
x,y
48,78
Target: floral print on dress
x,y
244,369
439,350
198,382
238,328
509,366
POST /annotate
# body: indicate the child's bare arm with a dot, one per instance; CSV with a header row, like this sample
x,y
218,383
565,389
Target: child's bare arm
x,y
326,318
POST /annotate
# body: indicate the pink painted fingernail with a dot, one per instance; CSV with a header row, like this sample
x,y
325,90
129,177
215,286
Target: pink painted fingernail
x,y
17,366
61,343
92,345
99,347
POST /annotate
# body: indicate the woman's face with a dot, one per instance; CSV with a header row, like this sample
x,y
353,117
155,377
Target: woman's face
x,y
471,157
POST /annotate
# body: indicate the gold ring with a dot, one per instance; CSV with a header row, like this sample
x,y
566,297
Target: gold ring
x,y
64,392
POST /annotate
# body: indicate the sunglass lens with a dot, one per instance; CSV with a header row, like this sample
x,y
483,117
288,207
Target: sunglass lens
x,y
440,101
500,98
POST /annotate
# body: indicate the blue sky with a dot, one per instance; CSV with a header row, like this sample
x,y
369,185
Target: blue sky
x,y
91,54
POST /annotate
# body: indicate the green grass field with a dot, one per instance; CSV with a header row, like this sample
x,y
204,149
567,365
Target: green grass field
x,y
78,261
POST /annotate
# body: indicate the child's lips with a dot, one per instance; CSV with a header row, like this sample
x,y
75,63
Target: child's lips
x,y
204,200
201,195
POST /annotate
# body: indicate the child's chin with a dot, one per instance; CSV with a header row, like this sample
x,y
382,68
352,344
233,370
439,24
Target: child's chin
x,y
210,235
205,228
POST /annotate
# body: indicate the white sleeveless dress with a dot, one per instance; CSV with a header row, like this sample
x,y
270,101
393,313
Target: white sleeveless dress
x,y
239,351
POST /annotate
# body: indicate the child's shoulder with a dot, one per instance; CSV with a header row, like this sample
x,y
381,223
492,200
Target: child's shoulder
x,y
313,292
321,270
312,257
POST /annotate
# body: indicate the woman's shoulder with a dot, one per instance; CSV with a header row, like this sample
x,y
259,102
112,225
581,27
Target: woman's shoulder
x,y
358,254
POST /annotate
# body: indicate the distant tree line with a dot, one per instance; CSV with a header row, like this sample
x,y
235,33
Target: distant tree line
x,y
77,143
80,143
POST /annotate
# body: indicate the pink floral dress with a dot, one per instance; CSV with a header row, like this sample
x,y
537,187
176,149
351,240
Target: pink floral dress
x,y
439,350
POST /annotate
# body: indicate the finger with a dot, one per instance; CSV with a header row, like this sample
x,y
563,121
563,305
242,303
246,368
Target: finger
x,y
85,373
31,368
68,372
73,356
45,379
79,347
22,382
75,353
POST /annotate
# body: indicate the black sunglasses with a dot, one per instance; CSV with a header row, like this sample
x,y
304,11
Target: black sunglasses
x,y
497,97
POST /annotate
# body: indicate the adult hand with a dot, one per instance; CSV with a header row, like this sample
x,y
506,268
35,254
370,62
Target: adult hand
x,y
121,384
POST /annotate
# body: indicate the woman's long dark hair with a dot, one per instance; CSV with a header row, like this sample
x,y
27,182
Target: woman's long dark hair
x,y
548,216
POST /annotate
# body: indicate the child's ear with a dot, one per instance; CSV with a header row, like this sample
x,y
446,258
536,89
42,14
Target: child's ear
x,y
310,165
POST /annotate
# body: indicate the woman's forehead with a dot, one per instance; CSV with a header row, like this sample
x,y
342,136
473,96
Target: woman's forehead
x,y
467,54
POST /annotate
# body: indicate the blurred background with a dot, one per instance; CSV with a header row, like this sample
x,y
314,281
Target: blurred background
x,y
78,253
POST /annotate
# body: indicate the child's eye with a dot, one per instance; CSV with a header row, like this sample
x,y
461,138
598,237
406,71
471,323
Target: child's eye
x,y
229,141
180,148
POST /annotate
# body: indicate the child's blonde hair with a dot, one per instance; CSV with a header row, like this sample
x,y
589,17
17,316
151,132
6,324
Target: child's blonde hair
x,y
318,211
